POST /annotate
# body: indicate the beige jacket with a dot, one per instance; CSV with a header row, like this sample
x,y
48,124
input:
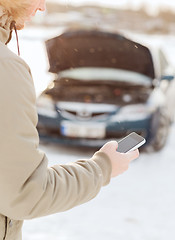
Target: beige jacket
x,y
28,187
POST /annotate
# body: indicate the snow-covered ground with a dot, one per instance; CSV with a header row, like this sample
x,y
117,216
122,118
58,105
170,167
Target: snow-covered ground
x,y
138,205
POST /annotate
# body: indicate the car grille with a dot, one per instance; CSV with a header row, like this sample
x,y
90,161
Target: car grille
x,y
84,114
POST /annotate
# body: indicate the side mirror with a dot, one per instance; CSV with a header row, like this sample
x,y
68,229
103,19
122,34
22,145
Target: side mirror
x,y
168,78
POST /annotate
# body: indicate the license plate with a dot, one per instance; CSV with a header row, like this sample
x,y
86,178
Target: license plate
x,y
83,130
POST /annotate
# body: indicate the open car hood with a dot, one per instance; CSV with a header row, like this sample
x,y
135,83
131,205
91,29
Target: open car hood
x,y
76,49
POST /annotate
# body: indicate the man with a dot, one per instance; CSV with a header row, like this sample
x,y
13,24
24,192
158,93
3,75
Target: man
x,y
28,187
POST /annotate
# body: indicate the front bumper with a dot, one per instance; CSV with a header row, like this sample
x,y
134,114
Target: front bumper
x,y
50,131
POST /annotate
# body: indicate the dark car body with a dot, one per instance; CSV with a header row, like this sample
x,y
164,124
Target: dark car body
x,y
106,86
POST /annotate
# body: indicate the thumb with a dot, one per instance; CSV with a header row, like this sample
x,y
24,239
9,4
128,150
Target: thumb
x,y
110,146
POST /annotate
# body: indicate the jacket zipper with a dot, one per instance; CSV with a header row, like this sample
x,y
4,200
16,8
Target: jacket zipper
x,y
5,234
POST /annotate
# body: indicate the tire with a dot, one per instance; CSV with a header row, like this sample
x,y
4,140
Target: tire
x,y
162,132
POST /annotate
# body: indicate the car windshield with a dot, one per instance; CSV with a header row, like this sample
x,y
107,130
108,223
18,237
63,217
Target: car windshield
x,y
106,74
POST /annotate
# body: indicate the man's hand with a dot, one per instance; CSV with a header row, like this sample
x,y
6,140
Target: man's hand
x,y
120,161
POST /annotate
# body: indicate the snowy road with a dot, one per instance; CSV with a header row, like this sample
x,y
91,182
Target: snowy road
x,y
138,205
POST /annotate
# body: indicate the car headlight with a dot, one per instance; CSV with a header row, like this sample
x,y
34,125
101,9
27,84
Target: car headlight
x,y
133,113
45,107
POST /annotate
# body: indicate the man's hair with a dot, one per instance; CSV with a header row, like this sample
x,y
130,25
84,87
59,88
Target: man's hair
x,y
16,8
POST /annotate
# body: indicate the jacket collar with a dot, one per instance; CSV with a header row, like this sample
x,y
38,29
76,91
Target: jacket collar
x,y
5,22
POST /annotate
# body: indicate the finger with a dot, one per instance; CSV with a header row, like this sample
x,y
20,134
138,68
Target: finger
x,y
113,145
133,155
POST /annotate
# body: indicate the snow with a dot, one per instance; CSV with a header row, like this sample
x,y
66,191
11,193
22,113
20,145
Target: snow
x,y
138,205
122,3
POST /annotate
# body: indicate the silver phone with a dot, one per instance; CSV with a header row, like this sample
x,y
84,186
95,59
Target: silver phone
x,y
130,143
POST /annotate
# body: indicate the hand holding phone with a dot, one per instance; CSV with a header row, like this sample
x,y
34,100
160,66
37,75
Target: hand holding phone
x,y
130,143
119,162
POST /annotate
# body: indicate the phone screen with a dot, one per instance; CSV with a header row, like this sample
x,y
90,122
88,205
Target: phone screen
x,y
131,142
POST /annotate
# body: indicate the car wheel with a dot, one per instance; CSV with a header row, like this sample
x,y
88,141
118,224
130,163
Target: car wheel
x,y
162,131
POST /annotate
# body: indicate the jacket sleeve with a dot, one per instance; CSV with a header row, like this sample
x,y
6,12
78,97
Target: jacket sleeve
x,y
28,187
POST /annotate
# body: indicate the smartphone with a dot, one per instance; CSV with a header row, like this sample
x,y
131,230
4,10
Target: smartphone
x,y
131,142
